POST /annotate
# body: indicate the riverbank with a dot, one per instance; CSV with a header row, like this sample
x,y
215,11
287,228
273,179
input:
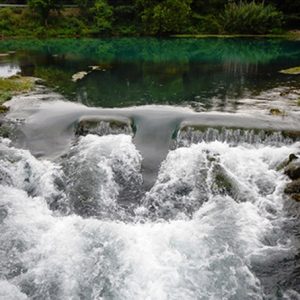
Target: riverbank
x,y
111,19
291,35
67,32
15,85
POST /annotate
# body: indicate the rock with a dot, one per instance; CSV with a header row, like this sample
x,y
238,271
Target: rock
x,y
101,67
296,197
79,76
277,112
286,162
293,187
222,183
38,81
292,170
3,109
97,68
4,133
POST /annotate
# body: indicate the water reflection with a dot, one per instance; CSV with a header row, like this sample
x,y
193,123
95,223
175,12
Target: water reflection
x,y
7,70
213,72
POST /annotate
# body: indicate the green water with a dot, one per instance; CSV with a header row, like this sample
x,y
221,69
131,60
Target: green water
x,y
208,72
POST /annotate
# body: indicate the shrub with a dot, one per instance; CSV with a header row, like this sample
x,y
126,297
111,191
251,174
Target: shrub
x,y
102,16
250,18
43,8
165,17
206,24
7,18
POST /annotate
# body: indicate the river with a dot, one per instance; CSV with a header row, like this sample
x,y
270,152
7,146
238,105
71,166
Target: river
x,y
156,176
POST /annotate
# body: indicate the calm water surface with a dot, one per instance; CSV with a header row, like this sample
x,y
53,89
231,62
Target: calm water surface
x,y
132,71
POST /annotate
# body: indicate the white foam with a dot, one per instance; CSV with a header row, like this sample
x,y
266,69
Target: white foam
x,y
10,292
95,165
25,172
207,255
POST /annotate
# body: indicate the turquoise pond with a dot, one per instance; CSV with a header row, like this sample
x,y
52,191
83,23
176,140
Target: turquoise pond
x,y
211,72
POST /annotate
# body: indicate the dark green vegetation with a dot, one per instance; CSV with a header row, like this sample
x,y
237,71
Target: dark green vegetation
x,y
52,18
203,73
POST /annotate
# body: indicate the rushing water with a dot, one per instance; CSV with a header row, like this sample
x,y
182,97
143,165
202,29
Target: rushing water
x,y
66,232
151,202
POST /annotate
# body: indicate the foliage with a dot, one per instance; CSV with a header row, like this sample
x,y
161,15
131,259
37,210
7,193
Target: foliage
x,y
4,96
165,17
147,17
206,23
124,13
13,85
102,16
43,7
7,18
207,7
250,18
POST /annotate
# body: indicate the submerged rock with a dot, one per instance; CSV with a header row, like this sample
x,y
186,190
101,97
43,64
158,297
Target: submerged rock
x,y
291,71
277,112
3,109
78,76
5,131
222,183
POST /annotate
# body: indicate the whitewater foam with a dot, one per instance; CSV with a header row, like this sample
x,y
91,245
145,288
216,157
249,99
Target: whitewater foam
x,y
190,239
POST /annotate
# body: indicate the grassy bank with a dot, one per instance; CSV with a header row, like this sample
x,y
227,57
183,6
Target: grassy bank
x,y
293,35
13,86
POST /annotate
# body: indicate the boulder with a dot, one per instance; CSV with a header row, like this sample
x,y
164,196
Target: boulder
x,y
292,170
286,162
293,187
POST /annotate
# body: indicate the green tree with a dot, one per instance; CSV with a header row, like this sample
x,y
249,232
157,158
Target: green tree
x,y
102,16
165,17
204,7
84,6
43,8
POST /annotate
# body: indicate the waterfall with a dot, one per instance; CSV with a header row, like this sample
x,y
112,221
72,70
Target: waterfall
x,y
214,225
236,136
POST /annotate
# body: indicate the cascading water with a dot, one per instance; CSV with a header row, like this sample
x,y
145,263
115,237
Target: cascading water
x,y
213,226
